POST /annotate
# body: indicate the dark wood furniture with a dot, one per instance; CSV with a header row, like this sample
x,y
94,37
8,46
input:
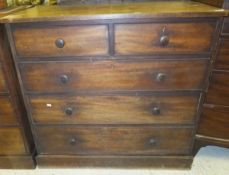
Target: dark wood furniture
x,y
16,143
213,127
115,85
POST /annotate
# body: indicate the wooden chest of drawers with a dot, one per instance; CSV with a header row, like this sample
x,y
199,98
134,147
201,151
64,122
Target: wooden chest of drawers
x,y
121,91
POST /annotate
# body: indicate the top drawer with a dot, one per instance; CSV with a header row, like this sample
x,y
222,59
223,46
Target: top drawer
x,y
225,26
61,41
172,38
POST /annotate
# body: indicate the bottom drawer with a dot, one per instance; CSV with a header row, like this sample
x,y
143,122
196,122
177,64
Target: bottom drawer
x,y
11,141
214,122
114,140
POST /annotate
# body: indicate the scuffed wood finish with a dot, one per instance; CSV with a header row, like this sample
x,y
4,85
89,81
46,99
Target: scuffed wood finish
x,y
114,140
182,162
113,109
78,41
7,113
136,39
222,61
225,29
11,140
3,87
113,75
116,11
218,92
215,122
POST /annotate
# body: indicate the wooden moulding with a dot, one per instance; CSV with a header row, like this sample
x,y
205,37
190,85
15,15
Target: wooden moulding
x,y
17,162
62,161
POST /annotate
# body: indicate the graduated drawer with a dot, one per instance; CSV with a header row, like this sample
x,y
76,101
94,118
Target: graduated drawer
x,y
164,38
218,92
11,141
214,121
113,75
7,113
113,140
114,109
222,61
3,86
61,40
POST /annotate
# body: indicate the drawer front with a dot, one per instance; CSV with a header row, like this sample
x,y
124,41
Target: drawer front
x,y
172,38
11,141
222,61
3,87
113,140
218,92
61,41
111,75
7,113
113,109
214,122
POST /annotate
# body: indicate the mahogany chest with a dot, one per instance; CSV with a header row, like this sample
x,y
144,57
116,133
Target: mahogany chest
x,y
115,85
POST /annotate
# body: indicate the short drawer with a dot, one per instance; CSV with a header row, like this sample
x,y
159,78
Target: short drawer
x,y
113,75
163,38
114,140
3,86
11,141
7,113
114,109
214,121
218,92
61,41
222,61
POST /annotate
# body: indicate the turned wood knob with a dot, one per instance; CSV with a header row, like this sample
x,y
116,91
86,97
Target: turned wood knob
x,y
160,77
72,141
156,110
59,43
164,40
152,141
68,111
64,79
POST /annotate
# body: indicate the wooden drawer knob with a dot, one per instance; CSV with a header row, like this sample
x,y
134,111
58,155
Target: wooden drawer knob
x,y
160,77
152,141
64,79
164,40
156,110
68,111
59,43
72,141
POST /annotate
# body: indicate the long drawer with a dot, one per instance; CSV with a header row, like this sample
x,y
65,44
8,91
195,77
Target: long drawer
x,y
218,92
172,38
61,41
11,141
113,75
7,113
114,140
114,109
215,121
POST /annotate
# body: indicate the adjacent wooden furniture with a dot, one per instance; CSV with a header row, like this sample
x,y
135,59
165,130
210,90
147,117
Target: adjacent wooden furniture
x,y
16,143
213,127
115,85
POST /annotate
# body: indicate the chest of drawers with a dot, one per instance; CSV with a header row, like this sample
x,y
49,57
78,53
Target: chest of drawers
x,y
114,90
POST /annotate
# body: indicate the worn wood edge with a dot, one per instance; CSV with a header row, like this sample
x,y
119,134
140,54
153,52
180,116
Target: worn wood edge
x,y
17,162
203,141
66,161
